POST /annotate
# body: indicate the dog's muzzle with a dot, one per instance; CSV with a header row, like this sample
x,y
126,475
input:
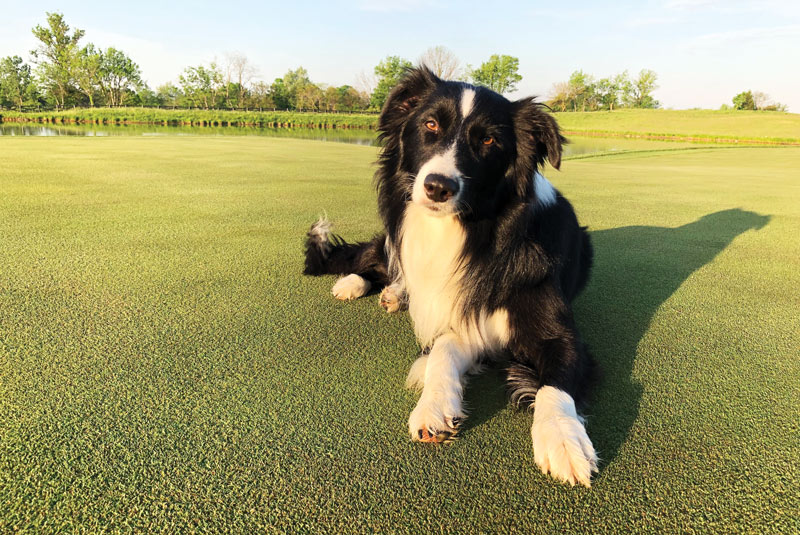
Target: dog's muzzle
x,y
439,188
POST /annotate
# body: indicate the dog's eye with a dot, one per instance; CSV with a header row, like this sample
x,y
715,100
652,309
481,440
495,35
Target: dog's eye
x,y
488,140
432,125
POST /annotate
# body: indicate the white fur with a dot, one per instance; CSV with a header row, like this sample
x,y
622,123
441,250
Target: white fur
x,y
416,375
350,287
430,251
439,406
467,101
430,255
441,164
560,443
545,192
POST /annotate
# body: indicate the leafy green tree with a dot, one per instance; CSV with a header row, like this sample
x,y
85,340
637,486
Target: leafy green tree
x,y
498,74
280,94
351,99
295,82
581,89
744,101
88,70
389,72
119,74
640,90
609,90
201,85
55,56
169,95
144,96
17,87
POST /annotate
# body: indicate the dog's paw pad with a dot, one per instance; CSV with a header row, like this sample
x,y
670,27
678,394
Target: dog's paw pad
x,y
444,432
437,437
350,287
390,301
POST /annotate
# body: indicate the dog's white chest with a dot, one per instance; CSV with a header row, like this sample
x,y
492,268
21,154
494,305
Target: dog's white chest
x,y
430,254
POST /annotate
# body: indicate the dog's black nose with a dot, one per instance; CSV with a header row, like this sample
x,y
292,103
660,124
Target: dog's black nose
x,y
439,188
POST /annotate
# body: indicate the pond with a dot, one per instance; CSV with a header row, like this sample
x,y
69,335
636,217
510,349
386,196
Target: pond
x,y
577,145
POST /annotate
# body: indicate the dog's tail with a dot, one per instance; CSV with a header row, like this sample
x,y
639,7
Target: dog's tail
x,y
327,253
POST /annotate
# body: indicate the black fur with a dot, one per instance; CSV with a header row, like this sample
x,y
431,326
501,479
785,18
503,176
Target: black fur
x,y
529,258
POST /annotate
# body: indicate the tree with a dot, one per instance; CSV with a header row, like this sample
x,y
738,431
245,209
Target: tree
x,y
17,87
352,99
261,96
201,85
169,95
498,74
88,70
280,94
581,87
389,72
55,57
238,73
309,96
641,89
331,98
442,62
744,101
119,74
561,97
295,81
609,90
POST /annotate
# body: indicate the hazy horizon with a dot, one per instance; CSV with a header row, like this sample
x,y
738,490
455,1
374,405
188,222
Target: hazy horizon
x,y
704,51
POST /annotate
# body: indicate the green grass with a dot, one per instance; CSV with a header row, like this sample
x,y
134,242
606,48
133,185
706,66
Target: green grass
x,y
164,367
705,125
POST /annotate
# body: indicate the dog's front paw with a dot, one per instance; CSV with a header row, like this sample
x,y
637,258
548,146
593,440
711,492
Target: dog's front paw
x,y
561,446
390,300
435,420
350,287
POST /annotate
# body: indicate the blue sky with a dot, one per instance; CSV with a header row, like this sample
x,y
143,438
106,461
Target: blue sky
x,y
704,51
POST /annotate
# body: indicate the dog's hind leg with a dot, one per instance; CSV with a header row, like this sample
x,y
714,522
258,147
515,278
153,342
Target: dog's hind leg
x,y
364,264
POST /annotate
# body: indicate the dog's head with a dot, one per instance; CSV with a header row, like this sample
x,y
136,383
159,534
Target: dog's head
x,y
461,149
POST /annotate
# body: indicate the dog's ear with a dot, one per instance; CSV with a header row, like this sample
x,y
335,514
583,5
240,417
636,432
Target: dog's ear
x,y
412,89
538,138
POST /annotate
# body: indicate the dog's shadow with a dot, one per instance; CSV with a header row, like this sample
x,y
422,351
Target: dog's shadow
x,y
636,270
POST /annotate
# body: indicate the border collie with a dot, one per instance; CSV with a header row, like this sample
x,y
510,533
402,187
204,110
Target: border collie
x,y
486,255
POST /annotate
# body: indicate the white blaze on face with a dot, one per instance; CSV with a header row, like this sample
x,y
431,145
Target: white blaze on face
x,y
441,164
467,101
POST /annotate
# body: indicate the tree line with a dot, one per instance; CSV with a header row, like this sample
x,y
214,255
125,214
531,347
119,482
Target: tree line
x,y
582,92
66,73
754,100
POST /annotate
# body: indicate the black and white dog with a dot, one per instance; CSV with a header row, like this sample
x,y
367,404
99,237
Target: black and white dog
x,y
484,252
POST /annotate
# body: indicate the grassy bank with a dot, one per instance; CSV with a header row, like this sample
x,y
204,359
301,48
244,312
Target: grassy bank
x,y
164,367
690,125
195,118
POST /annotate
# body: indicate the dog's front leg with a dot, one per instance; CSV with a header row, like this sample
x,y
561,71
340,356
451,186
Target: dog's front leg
x,y
439,410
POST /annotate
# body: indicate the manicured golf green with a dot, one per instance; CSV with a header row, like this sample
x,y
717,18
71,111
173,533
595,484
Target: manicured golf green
x,y
165,367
